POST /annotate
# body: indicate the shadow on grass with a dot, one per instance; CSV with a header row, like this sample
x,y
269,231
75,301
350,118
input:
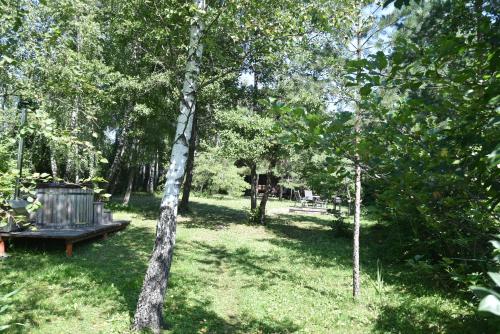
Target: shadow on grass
x,y
143,204
413,318
216,259
117,266
316,242
199,215
312,239
113,270
185,317
202,215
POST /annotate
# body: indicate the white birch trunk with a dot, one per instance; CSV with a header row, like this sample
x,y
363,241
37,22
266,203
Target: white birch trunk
x,y
151,177
130,185
149,311
356,281
53,164
73,165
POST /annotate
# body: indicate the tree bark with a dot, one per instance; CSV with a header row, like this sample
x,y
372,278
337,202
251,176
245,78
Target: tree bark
x,y
157,171
53,165
356,286
254,184
151,177
263,201
141,184
254,177
186,191
357,223
120,150
130,185
149,311
71,166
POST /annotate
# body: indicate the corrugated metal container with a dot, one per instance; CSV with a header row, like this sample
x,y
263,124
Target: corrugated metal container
x,y
98,212
65,206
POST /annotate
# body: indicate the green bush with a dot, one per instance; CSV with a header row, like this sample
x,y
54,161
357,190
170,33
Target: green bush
x,y
7,169
216,175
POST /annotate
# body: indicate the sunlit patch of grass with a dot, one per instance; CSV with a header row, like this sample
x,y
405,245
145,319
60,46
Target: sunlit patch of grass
x,y
293,275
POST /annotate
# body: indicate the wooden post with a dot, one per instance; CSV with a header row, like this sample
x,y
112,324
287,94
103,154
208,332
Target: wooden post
x,y
3,247
69,249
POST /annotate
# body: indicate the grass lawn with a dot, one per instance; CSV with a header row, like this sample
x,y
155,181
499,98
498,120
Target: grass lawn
x,y
293,275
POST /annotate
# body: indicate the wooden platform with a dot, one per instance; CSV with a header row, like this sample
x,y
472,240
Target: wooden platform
x,y
70,236
308,209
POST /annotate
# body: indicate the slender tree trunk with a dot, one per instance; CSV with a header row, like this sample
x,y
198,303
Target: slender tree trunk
x,y
478,7
151,178
263,201
357,197
121,148
157,171
142,181
115,165
71,166
130,185
186,191
254,184
254,177
255,92
53,165
147,176
149,311
357,223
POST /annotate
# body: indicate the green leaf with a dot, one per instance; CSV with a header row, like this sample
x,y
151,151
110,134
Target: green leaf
x,y
495,277
10,294
381,60
365,90
495,243
398,57
103,161
482,292
490,304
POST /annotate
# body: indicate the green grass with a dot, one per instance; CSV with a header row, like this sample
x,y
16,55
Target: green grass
x,y
293,275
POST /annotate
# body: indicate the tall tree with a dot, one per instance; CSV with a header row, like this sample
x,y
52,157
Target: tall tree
x,y
149,311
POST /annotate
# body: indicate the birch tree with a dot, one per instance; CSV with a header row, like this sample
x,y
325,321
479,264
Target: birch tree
x,y
149,311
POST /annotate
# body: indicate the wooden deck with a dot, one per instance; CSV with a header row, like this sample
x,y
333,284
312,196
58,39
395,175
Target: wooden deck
x,y
70,236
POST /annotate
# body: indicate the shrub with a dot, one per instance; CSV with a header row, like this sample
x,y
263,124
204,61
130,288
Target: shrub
x,y
216,175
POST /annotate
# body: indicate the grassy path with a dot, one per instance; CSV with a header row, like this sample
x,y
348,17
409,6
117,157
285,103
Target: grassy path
x,y
228,277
